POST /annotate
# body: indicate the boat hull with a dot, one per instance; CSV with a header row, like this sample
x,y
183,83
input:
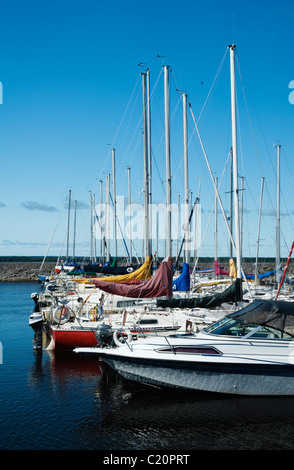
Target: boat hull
x,y
70,339
237,379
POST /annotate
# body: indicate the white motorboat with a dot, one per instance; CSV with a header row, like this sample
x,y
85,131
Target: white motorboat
x,y
249,352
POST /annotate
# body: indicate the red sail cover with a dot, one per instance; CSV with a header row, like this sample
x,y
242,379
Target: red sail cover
x,y
159,285
219,270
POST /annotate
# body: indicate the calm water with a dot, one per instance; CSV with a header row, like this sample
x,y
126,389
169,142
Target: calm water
x,y
64,402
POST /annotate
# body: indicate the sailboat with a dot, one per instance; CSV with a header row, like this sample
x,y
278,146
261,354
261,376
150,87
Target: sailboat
x,y
195,361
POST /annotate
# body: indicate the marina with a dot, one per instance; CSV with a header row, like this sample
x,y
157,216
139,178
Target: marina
x,y
53,401
146,250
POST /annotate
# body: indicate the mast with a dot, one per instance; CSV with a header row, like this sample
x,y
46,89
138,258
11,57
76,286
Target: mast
x,y
215,220
149,158
278,243
107,221
102,245
68,222
94,229
74,234
242,217
114,203
168,169
146,172
91,227
231,204
258,233
235,160
130,224
187,237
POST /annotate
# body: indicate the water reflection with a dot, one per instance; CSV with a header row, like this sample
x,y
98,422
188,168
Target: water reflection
x,y
117,414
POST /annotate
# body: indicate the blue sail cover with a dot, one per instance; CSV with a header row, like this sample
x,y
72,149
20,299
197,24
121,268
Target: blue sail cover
x,y
182,283
251,277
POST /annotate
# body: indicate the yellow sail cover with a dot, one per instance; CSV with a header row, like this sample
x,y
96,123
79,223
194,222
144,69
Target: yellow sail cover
x,y
233,271
142,273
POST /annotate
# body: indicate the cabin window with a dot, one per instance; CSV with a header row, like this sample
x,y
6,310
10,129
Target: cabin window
x,y
152,321
191,350
231,327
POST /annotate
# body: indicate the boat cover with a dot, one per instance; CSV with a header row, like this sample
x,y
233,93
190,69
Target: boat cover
x,y
182,283
232,294
159,285
251,277
219,270
96,268
278,314
142,273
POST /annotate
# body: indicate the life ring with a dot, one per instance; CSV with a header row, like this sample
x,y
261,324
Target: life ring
x,y
61,314
120,339
51,287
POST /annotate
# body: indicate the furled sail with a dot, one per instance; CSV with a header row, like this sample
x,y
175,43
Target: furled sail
x,y
232,294
219,270
142,273
182,283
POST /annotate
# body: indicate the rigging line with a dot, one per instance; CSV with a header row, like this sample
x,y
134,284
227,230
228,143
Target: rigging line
x,y
217,193
45,256
207,98
254,141
123,117
251,129
250,124
212,86
133,137
267,189
240,138
212,211
284,201
139,122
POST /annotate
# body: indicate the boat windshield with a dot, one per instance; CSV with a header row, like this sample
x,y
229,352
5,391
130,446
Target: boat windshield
x,y
231,327
263,319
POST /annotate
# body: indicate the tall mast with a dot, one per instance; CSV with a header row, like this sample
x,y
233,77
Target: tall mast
x,y
186,176
235,160
68,222
130,224
114,203
91,227
102,246
242,217
146,172
167,154
94,230
278,243
231,204
215,221
149,158
258,234
74,234
107,221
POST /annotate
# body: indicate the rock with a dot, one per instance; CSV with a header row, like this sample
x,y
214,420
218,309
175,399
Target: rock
x,y
23,271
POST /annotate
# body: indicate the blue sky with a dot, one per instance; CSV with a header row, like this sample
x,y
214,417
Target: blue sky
x,y
71,91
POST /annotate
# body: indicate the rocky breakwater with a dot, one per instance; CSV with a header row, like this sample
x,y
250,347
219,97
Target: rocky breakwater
x,y
23,271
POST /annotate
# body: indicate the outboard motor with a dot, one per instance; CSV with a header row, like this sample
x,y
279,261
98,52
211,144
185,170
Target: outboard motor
x,y
104,335
35,297
36,322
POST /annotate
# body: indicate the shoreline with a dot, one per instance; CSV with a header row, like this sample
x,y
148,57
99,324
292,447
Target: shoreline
x,y
28,271
23,272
